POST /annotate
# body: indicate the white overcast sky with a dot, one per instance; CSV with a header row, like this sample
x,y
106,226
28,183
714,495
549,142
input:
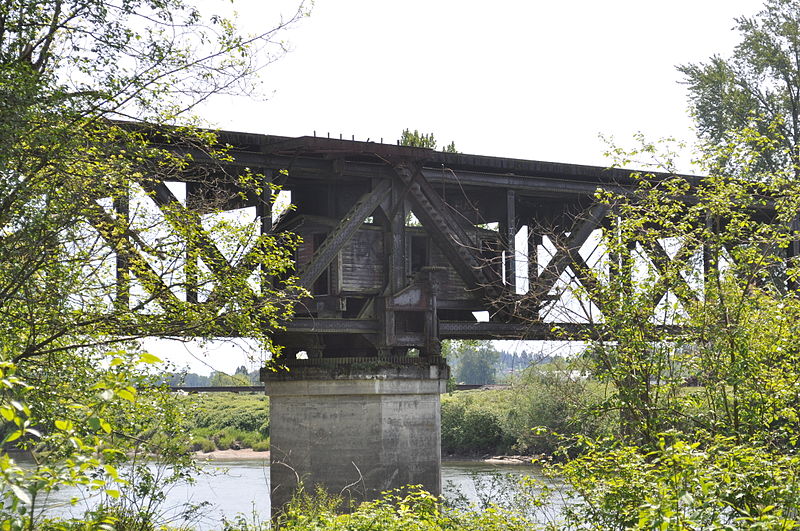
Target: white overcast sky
x,y
527,79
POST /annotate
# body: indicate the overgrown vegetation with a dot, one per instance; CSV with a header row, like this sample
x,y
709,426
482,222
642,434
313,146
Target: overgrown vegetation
x,y
223,421
522,419
398,510
92,240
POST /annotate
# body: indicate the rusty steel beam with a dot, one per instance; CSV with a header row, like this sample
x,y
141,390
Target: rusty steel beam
x,y
529,331
661,260
331,326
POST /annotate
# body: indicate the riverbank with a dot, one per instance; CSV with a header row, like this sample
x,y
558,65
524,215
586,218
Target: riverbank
x,y
478,423
244,454
516,460
248,454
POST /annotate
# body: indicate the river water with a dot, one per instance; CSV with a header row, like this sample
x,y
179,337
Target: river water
x,y
241,487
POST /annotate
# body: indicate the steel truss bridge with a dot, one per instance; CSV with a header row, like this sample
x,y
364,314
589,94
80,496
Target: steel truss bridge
x,y
402,245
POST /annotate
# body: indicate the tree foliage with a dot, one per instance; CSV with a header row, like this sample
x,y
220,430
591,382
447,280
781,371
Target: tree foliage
x,y
757,87
698,351
76,190
474,362
698,342
423,140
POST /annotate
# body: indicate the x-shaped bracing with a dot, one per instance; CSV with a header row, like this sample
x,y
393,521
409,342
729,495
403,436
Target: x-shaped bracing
x,y
122,238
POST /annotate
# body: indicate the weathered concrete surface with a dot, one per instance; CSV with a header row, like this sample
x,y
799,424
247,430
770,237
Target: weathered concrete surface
x,y
355,432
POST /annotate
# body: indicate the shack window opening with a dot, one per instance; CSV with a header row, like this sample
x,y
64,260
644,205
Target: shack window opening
x,y
419,253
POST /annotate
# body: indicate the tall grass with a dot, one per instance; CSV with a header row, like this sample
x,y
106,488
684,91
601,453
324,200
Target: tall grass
x,y
223,421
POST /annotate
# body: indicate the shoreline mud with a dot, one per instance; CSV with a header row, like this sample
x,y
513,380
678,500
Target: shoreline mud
x,y
248,454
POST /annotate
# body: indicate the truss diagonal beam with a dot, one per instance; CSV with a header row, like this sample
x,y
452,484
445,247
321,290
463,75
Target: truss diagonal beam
x,y
586,277
345,230
566,253
452,237
661,260
186,221
119,238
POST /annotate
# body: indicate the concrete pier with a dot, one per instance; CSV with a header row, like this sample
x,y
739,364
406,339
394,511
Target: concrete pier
x,y
356,429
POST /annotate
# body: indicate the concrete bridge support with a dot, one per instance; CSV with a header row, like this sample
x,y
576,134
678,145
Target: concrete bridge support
x,y
356,429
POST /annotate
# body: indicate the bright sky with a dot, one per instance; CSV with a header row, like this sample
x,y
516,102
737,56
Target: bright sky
x,y
528,79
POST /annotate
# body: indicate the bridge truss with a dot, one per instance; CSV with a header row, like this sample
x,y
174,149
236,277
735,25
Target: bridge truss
x,y
401,246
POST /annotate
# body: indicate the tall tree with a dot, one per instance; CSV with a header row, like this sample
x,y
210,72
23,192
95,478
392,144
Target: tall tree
x,y
477,364
758,87
423,140
74,190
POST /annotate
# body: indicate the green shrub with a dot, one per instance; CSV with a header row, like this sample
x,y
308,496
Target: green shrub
x,y
470,426
715,484
231,420
400,510
261,446
248,412
504,421
224,441
559,403
202,444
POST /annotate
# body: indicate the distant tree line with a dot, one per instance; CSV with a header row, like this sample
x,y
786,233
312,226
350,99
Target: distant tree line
x,y
240,377
480,363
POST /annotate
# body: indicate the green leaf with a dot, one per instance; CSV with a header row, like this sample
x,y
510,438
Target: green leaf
x,y
126,394
23,496
64,425
146,357
7,413
114,493
111,471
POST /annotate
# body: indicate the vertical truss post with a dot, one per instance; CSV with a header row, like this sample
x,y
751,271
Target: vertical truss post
x,y
191,266
510,237
123,274
395,243
534,241
619,262
397,239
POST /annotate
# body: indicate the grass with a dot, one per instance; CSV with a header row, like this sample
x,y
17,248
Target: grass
x,y
223,421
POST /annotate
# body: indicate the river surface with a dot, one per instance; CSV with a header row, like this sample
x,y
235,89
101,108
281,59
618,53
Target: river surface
x,y
230,488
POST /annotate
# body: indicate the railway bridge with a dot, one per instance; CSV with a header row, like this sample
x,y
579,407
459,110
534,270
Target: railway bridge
x,y
403,247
